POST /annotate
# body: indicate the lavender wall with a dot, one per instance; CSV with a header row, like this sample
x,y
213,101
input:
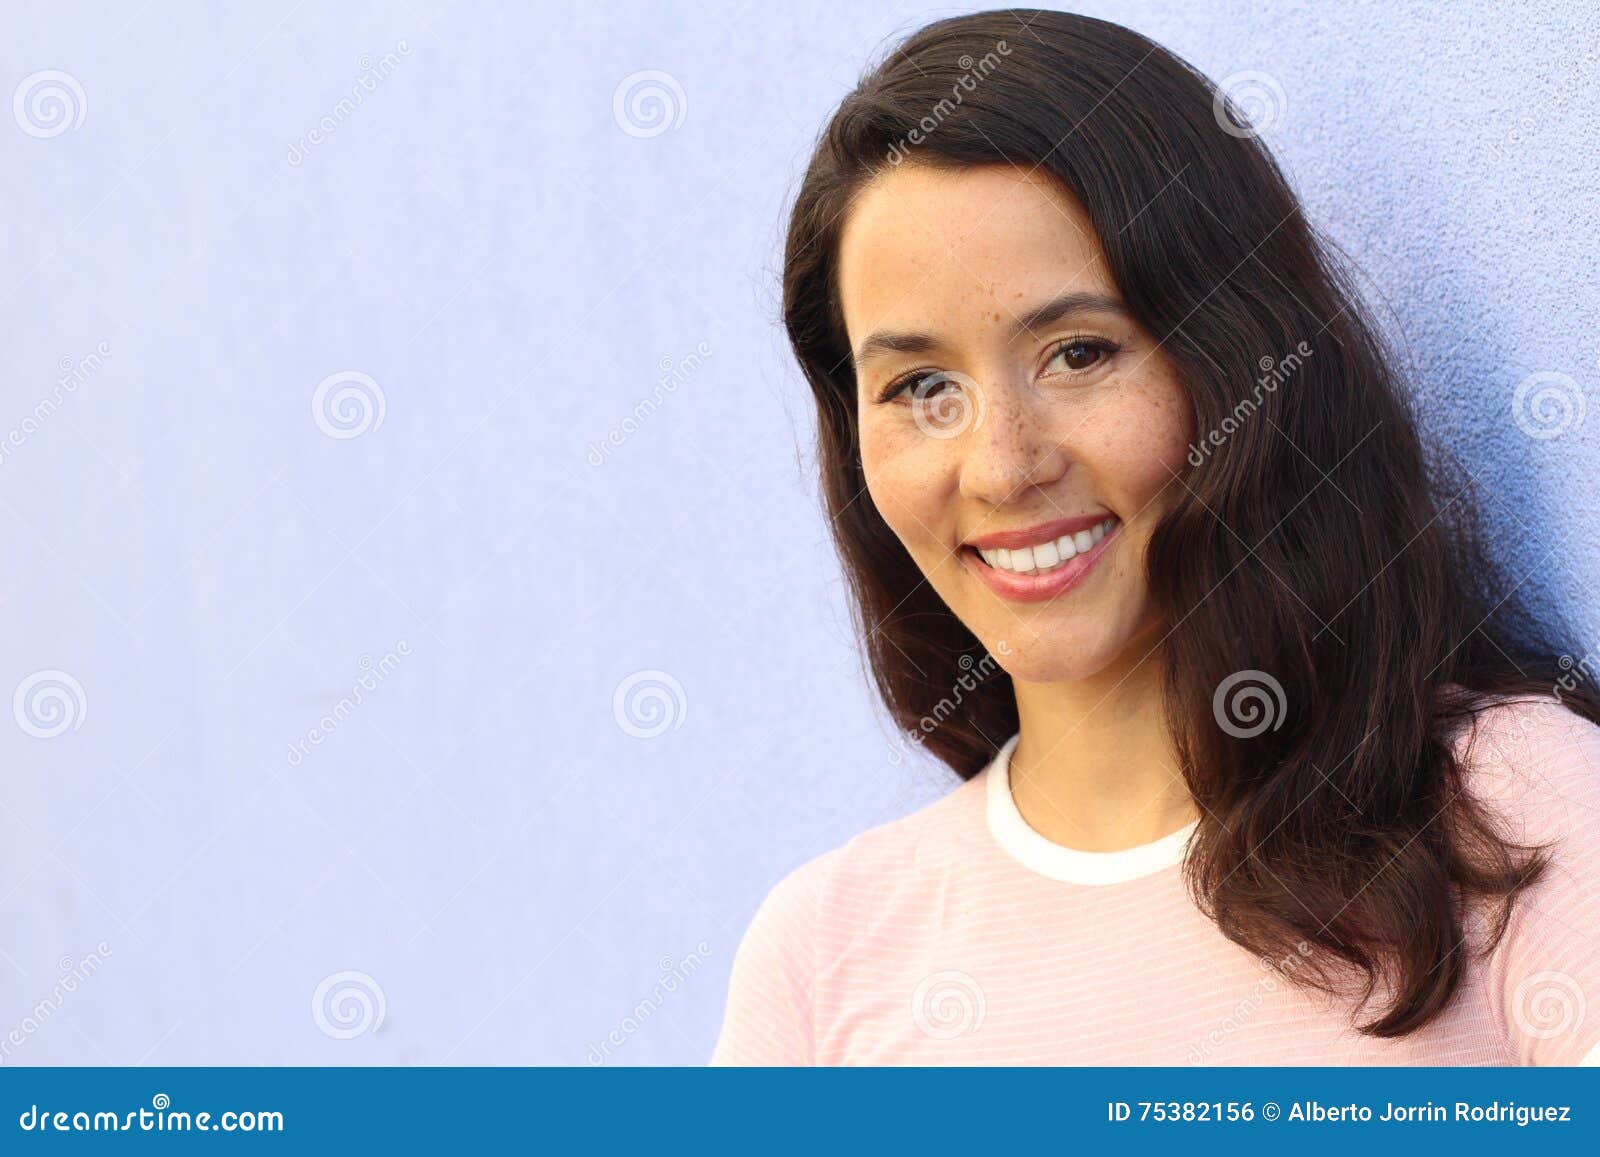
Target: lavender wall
x,y
423,641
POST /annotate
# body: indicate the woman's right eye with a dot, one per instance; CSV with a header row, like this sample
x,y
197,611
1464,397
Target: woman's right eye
x,y
922,384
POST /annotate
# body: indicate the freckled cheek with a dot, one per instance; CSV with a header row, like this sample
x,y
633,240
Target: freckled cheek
x,y
1138,454
909,479
1170,420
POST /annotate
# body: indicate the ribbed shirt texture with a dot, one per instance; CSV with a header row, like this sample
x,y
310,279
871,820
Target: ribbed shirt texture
x,y
958,935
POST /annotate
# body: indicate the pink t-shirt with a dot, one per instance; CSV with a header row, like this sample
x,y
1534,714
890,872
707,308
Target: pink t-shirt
x,y
959,935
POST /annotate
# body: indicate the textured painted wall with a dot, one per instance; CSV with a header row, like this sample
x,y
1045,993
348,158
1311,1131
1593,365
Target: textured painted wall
x,y
423,638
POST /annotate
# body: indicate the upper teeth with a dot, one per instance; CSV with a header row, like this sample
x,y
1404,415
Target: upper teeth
x,y
1047,555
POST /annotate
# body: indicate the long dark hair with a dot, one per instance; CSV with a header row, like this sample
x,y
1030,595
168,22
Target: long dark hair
x,y
1316,547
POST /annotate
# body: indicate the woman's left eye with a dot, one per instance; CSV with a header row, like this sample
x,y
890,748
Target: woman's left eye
x,y
1078,355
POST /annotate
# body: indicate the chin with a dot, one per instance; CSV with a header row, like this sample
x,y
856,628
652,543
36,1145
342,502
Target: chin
x,y
1052,657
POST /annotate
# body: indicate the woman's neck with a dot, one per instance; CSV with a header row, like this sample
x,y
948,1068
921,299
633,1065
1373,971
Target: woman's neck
x,y
1095,768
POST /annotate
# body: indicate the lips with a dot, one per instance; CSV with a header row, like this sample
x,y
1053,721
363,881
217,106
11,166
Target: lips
x,y
1043,561
1045,556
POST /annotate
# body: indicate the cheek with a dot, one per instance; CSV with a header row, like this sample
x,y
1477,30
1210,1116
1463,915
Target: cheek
x,y
1144,445
907,477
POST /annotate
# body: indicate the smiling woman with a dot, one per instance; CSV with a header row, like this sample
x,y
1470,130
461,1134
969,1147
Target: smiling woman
x,y
1275,769
998,491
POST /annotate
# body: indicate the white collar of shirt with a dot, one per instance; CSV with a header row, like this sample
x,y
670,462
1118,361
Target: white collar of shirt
x,y
1058,862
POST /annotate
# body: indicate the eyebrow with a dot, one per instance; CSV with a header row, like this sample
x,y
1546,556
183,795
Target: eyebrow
x,y
891,341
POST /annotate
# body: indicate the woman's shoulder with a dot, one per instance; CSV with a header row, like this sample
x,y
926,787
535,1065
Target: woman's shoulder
x,y
775,970
1534,757
879,859
1536,764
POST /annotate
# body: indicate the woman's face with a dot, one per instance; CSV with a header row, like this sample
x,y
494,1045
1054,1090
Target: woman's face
x,y
1020,433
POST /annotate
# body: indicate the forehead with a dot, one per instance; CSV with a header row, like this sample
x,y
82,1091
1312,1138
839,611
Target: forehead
x,y
924,246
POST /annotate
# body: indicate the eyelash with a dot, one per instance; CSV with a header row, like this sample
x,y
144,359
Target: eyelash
x,y
897,387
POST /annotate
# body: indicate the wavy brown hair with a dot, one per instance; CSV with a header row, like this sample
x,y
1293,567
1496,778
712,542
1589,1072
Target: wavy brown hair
x,y
1317,543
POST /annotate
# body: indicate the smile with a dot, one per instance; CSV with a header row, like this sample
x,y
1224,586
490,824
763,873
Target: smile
x,y
1047,556
1041,563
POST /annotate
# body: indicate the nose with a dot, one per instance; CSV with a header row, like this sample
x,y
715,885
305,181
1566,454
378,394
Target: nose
x,y
1011,447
